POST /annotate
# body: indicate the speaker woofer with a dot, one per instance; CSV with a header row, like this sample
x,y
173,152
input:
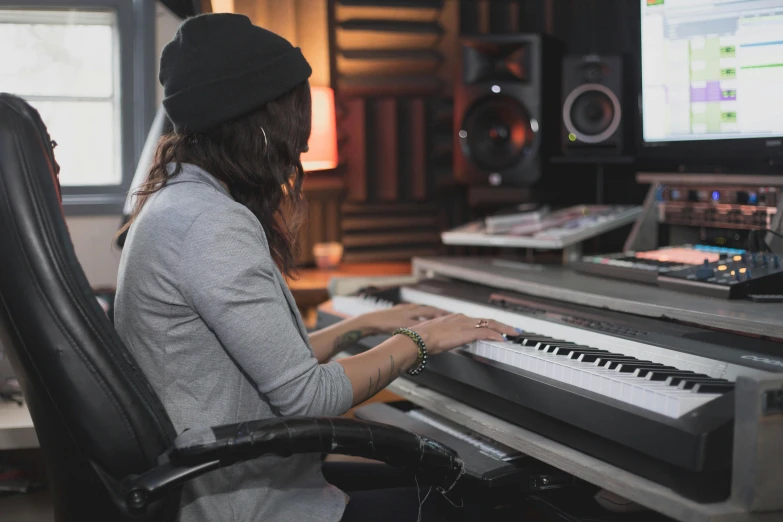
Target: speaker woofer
x,y
592,113
498,133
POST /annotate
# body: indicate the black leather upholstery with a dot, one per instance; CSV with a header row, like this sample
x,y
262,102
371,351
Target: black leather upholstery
x,y
110,447
96,416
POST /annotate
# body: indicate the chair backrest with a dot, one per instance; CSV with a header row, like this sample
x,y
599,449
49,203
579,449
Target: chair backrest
x,y
96,416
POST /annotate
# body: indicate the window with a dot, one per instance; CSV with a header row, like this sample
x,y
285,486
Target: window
x,y
88,67
65,65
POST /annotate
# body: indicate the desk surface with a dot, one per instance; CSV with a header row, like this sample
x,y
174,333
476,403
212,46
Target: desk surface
x,y
565,285
318,279
16,427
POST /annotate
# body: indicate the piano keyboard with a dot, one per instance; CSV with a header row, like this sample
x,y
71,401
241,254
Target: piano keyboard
x,y
659,380
646,384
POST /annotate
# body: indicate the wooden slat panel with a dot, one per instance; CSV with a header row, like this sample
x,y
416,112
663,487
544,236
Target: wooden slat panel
x,y
501,16
385,13
353,153
375,40
315,224
388,67
389,255
353,223
429,55
398,4
394,238
417,132
385,149
332,221
389,85
483,16
375,209
312,35
468,17
391,26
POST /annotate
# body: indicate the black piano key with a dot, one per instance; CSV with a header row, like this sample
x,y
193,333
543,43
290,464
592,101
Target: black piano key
x,y
585,357
547,347
643,372
688,383
560,344
612,357
592,354
662,375
538,338
567,350
632,367
675,381
612,365
531,341
712,387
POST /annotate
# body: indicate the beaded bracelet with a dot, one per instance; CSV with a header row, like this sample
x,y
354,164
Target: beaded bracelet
x,y
421,361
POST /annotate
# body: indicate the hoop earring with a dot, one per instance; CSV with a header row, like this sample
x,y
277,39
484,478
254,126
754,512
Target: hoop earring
x,y
266,143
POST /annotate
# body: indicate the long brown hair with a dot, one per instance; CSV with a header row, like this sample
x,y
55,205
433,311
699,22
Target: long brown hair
x,y
261,169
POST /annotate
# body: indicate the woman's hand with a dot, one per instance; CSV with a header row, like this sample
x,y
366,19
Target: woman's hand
x,y
447,332
400,316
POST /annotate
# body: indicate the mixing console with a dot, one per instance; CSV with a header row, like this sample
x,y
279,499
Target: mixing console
x,y
732,277
644,267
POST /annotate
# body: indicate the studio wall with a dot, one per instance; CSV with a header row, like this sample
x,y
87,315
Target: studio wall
x,y
394,69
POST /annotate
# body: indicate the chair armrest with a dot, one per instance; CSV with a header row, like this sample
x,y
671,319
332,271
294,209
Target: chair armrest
x,y
199,451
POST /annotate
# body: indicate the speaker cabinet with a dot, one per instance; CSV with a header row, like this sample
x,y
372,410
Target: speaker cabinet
x,y
504,118
594,119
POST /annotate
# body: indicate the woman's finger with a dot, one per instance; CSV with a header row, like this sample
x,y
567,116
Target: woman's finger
x,y
486,334
429,312
501,327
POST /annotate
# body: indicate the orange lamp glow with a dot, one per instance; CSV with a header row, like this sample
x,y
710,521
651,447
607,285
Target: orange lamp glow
x,y
323,137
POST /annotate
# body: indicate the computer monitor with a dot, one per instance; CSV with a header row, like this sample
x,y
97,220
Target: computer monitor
x,y
712,78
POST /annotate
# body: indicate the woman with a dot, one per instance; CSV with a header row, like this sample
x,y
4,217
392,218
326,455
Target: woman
x,y
201,299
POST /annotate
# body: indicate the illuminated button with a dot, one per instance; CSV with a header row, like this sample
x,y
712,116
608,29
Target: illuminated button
x,y
743,270
737,258
722,267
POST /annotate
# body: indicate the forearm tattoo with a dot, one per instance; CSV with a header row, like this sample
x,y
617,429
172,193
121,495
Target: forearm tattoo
x,y
378,383
347,339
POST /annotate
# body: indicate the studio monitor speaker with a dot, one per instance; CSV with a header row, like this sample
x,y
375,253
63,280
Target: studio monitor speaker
x,y
593,116
504,117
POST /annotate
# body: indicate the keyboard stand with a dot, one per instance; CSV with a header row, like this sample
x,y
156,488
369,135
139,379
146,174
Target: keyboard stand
x,y
757,485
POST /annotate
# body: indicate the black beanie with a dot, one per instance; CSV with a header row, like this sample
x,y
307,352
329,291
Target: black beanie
x,y
220,66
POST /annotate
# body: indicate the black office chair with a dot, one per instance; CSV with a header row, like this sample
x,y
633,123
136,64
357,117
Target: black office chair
x,y
111,449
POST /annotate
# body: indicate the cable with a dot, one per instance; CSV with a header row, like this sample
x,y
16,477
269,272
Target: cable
x,y
771,232
756,241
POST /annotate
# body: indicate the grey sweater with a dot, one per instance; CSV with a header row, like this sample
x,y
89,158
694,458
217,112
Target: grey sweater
x,y
212,324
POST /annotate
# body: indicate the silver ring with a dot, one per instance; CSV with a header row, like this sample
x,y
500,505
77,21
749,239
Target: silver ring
x,y
482,324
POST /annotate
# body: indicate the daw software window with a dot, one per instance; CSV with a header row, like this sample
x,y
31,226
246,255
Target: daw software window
x,y
712,69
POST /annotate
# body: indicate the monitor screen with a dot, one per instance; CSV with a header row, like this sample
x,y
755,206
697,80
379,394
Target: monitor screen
x,y
711,70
